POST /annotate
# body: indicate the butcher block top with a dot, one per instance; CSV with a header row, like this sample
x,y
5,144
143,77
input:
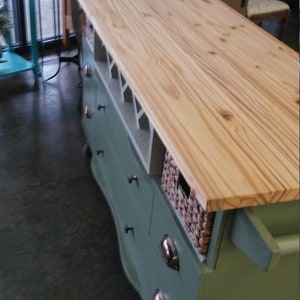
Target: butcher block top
x,y
222,94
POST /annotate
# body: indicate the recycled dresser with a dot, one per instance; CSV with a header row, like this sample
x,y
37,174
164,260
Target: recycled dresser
x,y
191,113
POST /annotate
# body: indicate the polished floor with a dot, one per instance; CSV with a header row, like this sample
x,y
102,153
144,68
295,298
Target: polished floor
x,y
57,235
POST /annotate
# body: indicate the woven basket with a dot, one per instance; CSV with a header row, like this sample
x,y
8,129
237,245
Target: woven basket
x,y
197,222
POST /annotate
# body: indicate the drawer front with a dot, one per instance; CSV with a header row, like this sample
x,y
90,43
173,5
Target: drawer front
x,y
134,181
174,284
89,94
96,111
89,120
88,73
133,237
139,186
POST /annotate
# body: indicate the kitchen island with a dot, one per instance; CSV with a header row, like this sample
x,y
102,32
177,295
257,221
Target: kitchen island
x,y
191,113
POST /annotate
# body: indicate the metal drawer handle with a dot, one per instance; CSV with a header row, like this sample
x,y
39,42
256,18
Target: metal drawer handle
x,y
132,178
87,71
87,111
128,228
101,106
99,151
158,295
169,252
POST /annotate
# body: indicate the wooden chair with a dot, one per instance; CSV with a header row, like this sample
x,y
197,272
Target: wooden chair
x,y
67,22
238,5
259,11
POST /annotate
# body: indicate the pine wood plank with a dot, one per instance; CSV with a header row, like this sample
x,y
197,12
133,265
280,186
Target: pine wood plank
x,y
222,94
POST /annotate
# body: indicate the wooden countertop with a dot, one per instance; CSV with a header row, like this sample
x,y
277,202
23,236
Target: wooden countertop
x,y
222,94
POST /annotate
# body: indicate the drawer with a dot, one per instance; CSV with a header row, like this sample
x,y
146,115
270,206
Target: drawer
x,y
90,121
174,284
267,234
139,185
104,126
96,111
134,181
92,87
133,236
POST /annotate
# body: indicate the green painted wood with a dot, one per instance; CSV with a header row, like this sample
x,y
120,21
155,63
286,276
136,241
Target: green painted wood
x,y
265,234
237,277
280,218
251,236
288,244
131,244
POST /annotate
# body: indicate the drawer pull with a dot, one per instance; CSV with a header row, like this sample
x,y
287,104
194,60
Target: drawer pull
x,y
100,151
101,106
87,71
87,111
158,295
169,252
128,228
132,178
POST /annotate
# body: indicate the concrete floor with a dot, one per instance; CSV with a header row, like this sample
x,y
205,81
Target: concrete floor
x,y
57,235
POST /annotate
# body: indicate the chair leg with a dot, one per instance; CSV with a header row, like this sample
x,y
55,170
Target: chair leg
x,y
284,25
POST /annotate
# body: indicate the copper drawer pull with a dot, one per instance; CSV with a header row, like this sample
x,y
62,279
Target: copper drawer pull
x,y
87,111
87,71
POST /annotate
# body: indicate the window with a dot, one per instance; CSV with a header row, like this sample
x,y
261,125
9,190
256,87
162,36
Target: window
x,y
48,20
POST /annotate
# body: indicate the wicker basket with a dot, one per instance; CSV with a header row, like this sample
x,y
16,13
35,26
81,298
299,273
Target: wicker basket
x,y
197,222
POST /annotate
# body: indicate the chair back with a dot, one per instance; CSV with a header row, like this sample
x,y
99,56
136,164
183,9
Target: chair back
x,y
238,5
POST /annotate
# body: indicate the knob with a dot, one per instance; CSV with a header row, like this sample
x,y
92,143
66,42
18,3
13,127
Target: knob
x,y
87,111
132,178
158,295
169,252
87,70
101,106
128,228
100,151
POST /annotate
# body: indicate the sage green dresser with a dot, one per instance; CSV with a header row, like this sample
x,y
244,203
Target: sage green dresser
x,y
177,241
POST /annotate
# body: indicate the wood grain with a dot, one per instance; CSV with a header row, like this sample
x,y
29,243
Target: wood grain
x,y
222,94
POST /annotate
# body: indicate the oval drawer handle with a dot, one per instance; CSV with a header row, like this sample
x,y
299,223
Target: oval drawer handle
x,y
128,228
100,106
87,111
132,178
87,71
158,295
169,252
